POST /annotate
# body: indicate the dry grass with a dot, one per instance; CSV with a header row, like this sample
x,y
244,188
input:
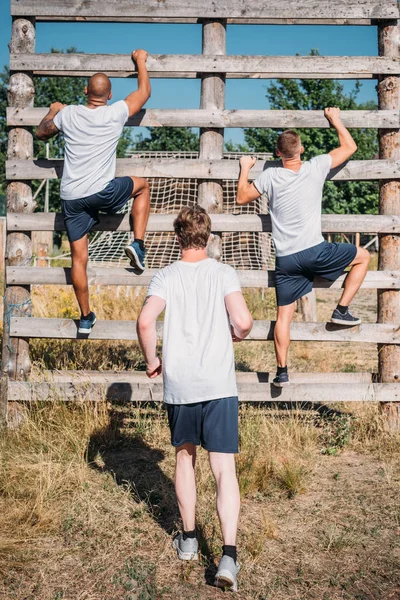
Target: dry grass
x,y
88,507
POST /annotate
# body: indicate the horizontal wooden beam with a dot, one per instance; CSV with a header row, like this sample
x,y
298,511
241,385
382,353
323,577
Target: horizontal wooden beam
x,y
186,168
220,223
252,387
193,65
253,10
382,333
98,275
26,117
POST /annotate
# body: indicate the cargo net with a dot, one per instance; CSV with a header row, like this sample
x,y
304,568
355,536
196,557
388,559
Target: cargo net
x,y
241,250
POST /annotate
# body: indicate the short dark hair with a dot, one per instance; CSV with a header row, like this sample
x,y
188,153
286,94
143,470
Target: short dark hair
x,y
192,227
288,143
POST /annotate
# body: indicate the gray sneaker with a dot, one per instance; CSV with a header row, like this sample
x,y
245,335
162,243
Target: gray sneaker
x,y
186,549
226,576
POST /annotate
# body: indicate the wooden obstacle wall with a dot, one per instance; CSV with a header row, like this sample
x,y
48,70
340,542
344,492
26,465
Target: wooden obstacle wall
x,y
213,66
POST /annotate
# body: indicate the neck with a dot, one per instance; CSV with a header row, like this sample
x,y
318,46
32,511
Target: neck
x,y
293,163
96,102
194,254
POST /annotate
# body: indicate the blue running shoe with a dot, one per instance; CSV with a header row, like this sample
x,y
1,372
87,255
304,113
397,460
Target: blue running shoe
x,y
136,256
86,323
344,319
281,380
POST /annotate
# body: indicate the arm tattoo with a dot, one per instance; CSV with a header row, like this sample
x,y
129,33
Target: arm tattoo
x,y
146,300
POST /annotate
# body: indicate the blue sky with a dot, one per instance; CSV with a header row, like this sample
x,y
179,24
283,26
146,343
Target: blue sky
x,y
120,38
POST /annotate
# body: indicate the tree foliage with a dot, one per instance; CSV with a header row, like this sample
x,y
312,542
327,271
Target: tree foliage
x,y
316,94
68,90
168,139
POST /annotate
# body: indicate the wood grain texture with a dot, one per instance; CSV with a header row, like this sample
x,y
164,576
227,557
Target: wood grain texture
x,y
386,333
223,9
125,276
231,118
139,389
193,65
186,168
224,223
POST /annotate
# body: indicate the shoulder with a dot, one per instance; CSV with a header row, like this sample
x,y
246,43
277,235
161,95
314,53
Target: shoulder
x,y
119,108
321,159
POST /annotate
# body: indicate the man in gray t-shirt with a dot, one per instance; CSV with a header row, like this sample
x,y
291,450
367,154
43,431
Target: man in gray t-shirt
x,y
204,312
88,185
295,196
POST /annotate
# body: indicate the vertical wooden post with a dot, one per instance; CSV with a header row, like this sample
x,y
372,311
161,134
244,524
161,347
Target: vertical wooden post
x,y
210,193
389,204
15,352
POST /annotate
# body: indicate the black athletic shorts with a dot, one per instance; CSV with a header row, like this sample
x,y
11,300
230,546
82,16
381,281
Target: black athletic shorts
x,y
294,273
213,424
82,214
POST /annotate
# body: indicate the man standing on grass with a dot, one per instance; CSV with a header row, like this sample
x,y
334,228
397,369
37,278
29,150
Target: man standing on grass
x,y
88,184
204,312
295,197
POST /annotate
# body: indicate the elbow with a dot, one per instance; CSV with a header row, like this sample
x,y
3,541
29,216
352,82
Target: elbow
x,y
240,200
40,135
244,325
144,324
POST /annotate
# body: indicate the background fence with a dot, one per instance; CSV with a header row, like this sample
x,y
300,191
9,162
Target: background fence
x,y
210,169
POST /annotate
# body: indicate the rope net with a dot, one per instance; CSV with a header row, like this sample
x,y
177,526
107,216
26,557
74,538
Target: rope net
x,y
241,250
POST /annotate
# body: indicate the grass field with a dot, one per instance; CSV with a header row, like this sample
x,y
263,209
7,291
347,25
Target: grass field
x,y
87,506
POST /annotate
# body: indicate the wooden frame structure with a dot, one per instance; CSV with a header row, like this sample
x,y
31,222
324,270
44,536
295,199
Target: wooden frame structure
x,y
213,66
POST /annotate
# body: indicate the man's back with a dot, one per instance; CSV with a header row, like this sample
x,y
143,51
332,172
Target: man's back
x,y
198,360
91,138
295,203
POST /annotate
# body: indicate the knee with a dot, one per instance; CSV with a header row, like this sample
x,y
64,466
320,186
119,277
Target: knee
x,y
185,453
363,255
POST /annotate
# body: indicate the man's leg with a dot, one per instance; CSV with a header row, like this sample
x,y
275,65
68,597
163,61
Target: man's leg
x,y
228,497
282,332
355,277
79,255
185,484
140,206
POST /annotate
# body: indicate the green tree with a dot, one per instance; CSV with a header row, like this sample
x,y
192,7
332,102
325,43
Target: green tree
x,y
68,90
167,139
316,94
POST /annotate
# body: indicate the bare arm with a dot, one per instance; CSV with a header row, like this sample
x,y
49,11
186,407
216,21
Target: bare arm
x,y
147,334
347,144
137,99
239,315
246,192
46,128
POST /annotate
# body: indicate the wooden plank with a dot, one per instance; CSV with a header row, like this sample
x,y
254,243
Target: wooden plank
x,y
98,275
223,9
193,65
195,20
224,223
186,168
389,202
261,390
231,118
387,333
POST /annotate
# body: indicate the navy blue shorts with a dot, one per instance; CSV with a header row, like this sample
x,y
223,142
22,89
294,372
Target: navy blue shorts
x,y
82,214
294,273
213,424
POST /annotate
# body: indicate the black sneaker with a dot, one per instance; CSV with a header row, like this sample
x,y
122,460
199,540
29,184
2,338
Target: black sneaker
x,y
344,319
281,380
86,323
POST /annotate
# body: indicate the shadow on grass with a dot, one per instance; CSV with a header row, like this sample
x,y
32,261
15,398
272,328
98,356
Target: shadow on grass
x,y
135,464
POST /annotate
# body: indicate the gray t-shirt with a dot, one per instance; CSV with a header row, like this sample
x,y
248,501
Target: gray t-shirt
x,y
91,137
198,359
295,203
